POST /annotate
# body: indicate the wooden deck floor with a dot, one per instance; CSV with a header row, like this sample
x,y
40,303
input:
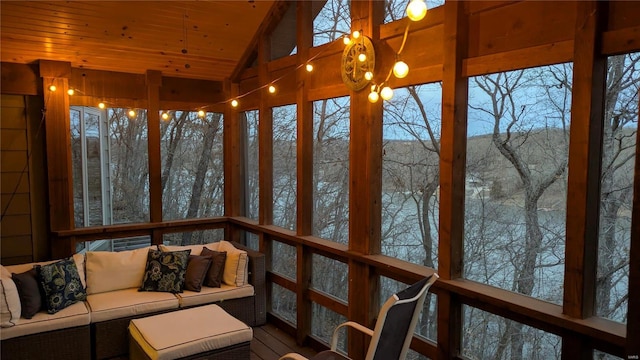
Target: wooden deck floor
x,y
269,343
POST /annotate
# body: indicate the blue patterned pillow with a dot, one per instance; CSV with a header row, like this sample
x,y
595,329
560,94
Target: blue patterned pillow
x,y
165,271
61,284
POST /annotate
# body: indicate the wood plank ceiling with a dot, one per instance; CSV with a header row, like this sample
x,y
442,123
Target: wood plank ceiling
x,y
189,39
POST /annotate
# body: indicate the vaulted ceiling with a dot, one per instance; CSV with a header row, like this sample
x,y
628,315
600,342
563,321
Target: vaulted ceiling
x,y
191,39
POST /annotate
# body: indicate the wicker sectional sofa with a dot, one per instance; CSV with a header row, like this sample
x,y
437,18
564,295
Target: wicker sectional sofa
x,y
97,328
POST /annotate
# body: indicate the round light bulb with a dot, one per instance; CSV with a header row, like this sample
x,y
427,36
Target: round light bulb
x,y
52,88
71,92
165,116
386,93
373,97
346,39
416,10
309,67
356,34
362,57
201,113
234,103
400,69
272,89
132,113
368,75
101,105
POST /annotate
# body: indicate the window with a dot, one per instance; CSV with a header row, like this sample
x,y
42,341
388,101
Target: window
x,y
109,160
331,169
252,186
284,166
516,175
283,303
323,323
193,237
411,174
284,259
192,166
488,336
330,277
332,22
616,185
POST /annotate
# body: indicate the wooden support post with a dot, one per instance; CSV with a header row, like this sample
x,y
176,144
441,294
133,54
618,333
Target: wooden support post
x,y
58,143
365,187
585,155
452,174
265,139
235,126
153,83
304,115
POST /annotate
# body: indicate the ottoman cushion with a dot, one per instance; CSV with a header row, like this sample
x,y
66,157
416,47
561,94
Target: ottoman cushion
x,y
187,332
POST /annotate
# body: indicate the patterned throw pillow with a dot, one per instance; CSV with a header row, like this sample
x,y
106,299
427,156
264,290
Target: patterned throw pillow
x,y
61,284
165,271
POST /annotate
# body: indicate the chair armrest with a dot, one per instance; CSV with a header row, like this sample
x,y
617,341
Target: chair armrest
x,y
257,278
355,325
293,356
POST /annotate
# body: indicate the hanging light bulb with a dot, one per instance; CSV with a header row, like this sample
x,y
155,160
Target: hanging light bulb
x,y
234,103
201,113
132,113
272,89
368,75
362,57
356,34
386,93
71,92
416,10
165,116
52,88
346,40
309,68
400,69
101,105
373,97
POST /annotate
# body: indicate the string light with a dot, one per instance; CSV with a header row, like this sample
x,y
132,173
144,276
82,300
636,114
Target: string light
x,y
201,113
71,92
101,105
400,69
373,97
356,34
386,93
368,75
165,115
416,10
234,103
309,68
132,113
272,89
346,40
52,88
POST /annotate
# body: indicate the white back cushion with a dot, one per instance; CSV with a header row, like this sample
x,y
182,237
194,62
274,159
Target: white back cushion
x,y
9,300
236,268
108,271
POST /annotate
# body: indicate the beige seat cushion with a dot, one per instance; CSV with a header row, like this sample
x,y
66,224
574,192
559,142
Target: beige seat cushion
x,y
9,300
211,295
186,332
129,302
72,316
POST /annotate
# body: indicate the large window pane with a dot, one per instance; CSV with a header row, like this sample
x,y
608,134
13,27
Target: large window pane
x,y
193,237
330,277
616,187
284,260
331,169
192,165
488,336
324,321
109,165
283,303
284,166
516,175
252,185
332,21
129,165
411,174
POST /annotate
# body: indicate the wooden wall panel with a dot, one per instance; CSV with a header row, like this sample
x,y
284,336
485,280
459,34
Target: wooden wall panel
x,y
519,25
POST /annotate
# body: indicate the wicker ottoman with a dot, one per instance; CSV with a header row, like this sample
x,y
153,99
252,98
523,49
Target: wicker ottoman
x,y
205,332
